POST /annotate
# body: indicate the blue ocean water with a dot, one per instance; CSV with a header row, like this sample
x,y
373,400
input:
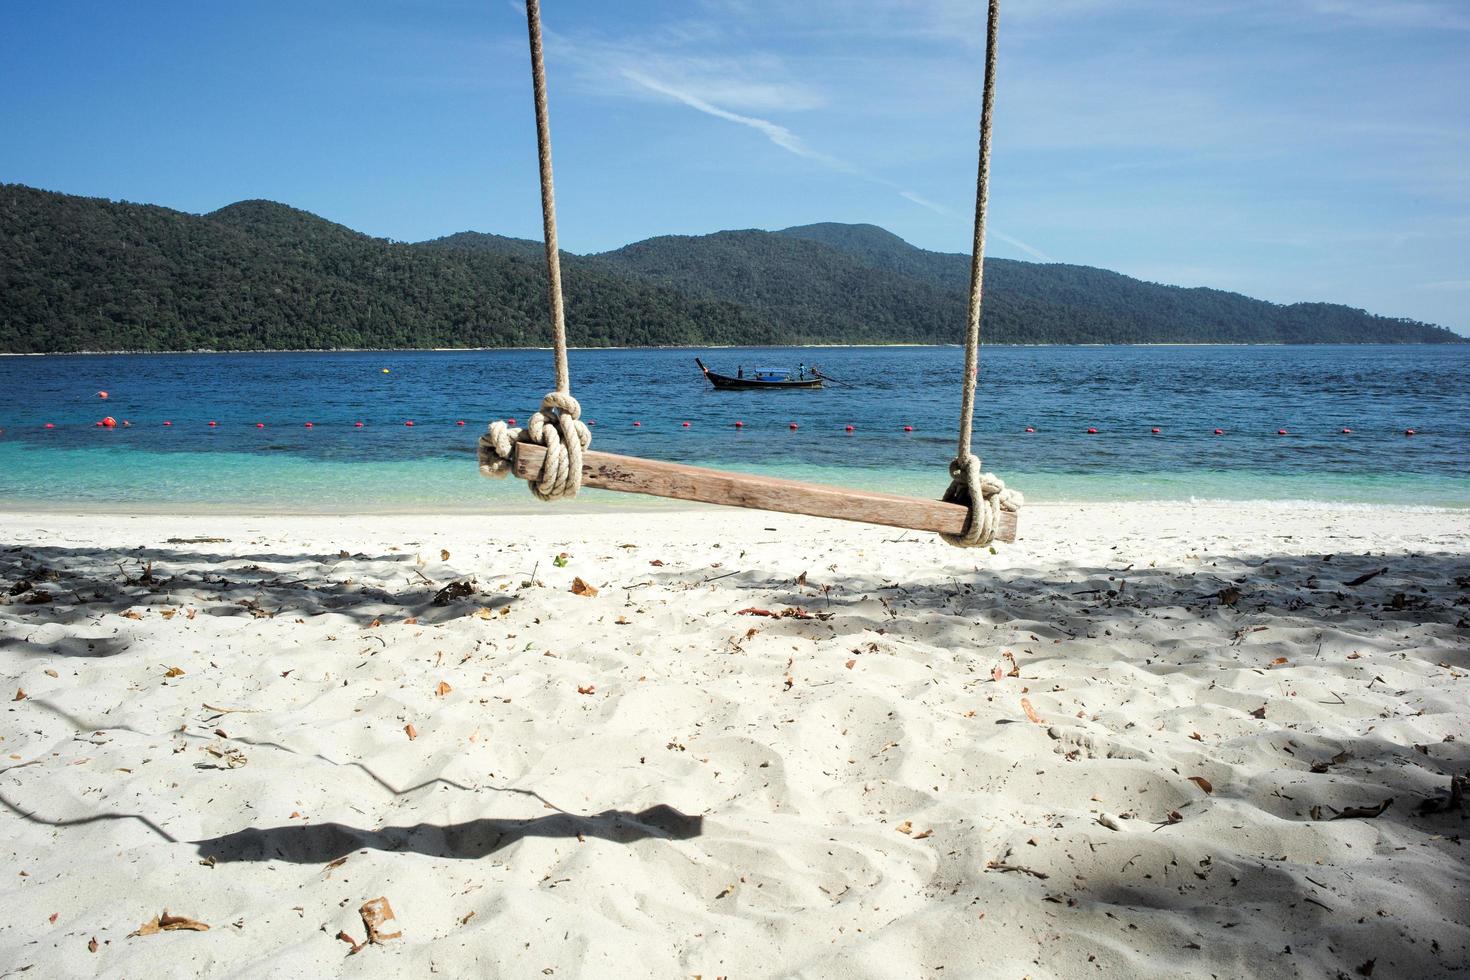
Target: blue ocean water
x,y
1123,392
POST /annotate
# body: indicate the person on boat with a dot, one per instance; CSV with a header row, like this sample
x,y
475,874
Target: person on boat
x,y
740,372
801,372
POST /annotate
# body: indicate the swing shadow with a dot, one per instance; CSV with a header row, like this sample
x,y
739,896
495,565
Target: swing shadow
x,y
470,840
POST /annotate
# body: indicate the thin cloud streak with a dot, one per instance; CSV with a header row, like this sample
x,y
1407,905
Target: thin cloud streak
x,y
1016,243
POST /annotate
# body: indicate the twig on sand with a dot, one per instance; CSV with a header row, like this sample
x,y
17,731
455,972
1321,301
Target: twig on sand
x,y
999,866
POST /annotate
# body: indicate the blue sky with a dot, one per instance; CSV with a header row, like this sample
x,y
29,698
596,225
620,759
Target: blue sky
x,y
1287,149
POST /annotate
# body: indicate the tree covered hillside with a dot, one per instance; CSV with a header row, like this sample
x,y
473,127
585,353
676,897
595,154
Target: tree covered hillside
x,y
87,274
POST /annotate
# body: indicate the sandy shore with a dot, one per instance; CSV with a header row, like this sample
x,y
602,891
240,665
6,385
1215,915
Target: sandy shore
x,y
263,723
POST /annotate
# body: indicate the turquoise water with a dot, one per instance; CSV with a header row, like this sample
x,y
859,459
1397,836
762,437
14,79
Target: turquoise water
x,y
1186,392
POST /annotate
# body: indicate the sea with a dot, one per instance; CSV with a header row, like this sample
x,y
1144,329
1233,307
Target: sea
x,y
1299,425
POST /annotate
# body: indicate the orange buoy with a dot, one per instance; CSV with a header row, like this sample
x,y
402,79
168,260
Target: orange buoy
x,y
102,395
1092,432
109,422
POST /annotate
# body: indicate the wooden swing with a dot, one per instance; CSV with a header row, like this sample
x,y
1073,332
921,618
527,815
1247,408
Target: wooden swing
x,y
551,452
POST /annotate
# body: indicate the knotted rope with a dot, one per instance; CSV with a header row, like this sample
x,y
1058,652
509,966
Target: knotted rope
x,y
984,493
558,426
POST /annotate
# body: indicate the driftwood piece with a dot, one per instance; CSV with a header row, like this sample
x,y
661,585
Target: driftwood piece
x,y
630,474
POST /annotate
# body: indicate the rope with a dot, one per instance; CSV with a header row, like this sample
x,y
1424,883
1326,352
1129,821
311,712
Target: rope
x,y
558,425
984,493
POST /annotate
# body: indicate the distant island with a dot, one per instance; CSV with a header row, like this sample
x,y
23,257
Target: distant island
x,y
81,273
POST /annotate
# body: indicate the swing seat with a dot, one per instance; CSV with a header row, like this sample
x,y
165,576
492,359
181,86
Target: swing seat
x,y
630,474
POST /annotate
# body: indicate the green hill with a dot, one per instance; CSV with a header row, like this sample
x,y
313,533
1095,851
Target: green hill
x,y
87,274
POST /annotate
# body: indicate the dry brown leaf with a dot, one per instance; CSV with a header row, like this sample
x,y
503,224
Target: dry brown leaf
x,y
411,732
173,672
582,588
92,945
51,673
374,624
851,664
907,827
168,923
443,688
924,833
1015,670
191,613
375,914
482,613
443,554
657,563
589,689
1196,736
356,946
410,621
20,694
1030,711
168,613
622,621
132,614
1202,783
996,673
1259,712
1278,661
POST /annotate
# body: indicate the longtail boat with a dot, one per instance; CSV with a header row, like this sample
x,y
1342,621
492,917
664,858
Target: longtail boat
x,y
807,377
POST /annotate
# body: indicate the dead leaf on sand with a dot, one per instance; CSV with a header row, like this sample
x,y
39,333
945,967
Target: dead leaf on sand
x,y
1353,812
1015,670
1259,712
411,732
996,674
924,833
168,923
443,554
589,689
20,694
582,588
173,672
132,614
482,613
1030,711
1202,783
443,688
907,827
356,946
375,914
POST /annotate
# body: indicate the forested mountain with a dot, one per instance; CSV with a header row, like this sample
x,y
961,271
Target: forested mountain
x,y
87,274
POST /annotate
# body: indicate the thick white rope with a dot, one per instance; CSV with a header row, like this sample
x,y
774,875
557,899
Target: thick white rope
x,y
558,426
984,493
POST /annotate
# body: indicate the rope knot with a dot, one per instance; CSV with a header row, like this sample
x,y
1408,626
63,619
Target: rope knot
x,y
557,427
985,494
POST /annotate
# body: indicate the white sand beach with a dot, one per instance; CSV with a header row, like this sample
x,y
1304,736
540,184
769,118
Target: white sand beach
x,y
262,723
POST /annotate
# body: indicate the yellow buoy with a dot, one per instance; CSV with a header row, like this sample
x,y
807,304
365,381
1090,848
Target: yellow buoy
x,y
385,370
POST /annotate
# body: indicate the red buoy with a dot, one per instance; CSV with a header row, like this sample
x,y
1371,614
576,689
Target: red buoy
x,y
310,426
908,428
168,423
1155,430
127,424
510,421
637,424
591,421
1219,432
102,395
848,429
685,424
1408,432
1281,432
213,424
739,425
357,425
109,422
460,422
50,425
1030,429
792,426
409,423
1092,432
260,425
1347,431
